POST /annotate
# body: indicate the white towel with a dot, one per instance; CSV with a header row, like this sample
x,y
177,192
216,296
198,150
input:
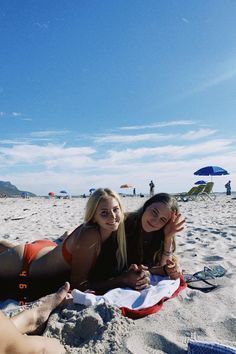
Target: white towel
x,y
159,288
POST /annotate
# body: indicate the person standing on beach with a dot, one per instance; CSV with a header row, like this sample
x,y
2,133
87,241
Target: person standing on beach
x,y
12,330
151,188
228,188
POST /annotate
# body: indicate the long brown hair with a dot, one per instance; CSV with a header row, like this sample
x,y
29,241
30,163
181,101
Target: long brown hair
x,y
133,221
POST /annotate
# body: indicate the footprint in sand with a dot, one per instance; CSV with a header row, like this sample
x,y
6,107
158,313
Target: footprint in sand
x,y
152,343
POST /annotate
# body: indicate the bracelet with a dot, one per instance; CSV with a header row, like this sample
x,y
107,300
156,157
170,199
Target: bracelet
x,y
164,270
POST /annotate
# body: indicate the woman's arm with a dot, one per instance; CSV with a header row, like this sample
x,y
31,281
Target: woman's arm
x,y
172,227
136,277
170,269
86,248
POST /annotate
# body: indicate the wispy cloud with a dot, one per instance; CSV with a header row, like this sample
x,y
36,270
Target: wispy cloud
x,y
114,138
48,133
16,114
154,137
158,125
184,19
231,74
12,142
212,75
169,152
27,119
198,134
216,75
44,25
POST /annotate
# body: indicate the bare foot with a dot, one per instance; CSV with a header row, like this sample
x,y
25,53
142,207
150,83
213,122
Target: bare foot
x,y
34,320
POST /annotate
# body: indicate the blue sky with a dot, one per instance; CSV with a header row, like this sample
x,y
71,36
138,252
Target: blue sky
x,y
101,93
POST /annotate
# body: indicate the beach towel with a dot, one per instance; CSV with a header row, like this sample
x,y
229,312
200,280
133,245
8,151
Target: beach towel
x,y
195,347
135,304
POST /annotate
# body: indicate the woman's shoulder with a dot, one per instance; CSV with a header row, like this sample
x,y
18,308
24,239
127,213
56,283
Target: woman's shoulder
x,y
87,233
82,228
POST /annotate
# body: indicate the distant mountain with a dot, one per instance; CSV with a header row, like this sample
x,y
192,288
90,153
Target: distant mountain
x,y
12,191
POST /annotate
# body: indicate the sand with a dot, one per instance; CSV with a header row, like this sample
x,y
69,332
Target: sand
x,y
207,240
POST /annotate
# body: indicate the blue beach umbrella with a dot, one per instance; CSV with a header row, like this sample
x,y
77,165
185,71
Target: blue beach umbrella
x,y
211,171
200,182
92,190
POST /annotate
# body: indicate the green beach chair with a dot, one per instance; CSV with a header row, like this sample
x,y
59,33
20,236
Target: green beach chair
x,y
198,192
207,192
185,196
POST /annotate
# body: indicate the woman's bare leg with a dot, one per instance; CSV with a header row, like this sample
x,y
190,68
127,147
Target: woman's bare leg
x,y
32,320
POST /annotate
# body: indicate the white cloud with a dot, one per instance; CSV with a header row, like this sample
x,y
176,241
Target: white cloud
x,y
29,154
40,168
16,114
223,72
158,125
115,138
169,175
42,25
48,133
230,74
197,134
11,142
154,137
184,19
170,151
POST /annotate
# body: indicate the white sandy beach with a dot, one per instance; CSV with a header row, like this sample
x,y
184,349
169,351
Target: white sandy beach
x,y
208,240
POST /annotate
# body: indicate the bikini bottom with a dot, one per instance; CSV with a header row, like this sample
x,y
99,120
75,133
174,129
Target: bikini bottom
x,y
31,251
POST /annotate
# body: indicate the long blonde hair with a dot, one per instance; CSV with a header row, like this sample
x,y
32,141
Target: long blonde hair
x,y
91,207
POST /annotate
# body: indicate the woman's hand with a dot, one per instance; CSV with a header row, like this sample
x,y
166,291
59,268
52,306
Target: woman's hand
x,y
137,277
174,225
172,270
